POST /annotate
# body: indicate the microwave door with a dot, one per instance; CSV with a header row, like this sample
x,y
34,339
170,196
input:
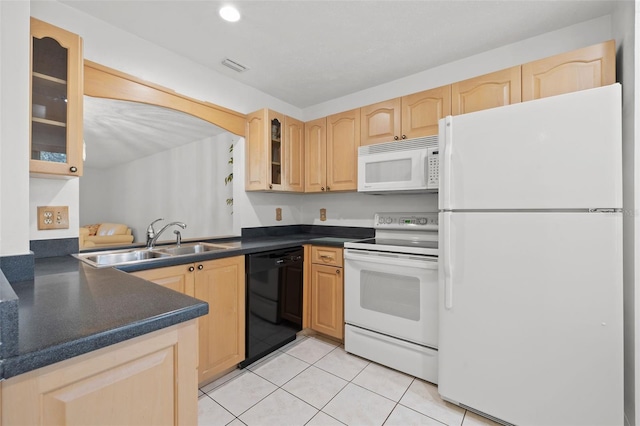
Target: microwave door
x,y
389,171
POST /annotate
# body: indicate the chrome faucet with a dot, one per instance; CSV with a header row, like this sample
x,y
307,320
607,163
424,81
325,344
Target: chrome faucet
x,y
152,235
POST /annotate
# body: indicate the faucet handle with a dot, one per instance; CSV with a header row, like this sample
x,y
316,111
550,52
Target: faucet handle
x,y
150,231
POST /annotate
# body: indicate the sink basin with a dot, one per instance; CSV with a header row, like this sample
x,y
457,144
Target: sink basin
x,y
103,259
118,258
194,249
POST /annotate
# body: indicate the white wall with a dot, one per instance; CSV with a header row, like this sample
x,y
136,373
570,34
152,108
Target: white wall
x,y
184,184
14,128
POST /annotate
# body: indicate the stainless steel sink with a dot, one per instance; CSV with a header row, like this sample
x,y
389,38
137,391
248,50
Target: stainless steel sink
x,y
103,259
120,257
193,249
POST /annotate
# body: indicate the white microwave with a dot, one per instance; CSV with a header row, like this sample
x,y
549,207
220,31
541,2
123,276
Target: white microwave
x,y
410,165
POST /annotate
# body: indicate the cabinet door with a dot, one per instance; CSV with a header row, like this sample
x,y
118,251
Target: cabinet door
x,y
179,278
293,155
56,100
486,91
327,300
380,122
343,139
581,69
315,155
149,380
221,283
421,112
256,153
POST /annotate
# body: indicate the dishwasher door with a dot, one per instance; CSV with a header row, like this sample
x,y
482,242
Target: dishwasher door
x,y
274,301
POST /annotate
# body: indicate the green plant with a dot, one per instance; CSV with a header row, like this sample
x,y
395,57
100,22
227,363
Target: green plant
x,y
229,178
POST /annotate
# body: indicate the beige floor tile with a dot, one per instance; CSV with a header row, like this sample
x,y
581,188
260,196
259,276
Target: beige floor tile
x,y
315,386
385,381
424,398
403,416
473,419
342,364
278,409
280,369
222,380
310,350
356,406
322,419
210,413
241,393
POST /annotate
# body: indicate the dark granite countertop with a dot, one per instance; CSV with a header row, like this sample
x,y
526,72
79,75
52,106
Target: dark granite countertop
x,y
71,308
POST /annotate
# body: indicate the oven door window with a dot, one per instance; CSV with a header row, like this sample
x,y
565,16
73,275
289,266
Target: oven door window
x,y
391,294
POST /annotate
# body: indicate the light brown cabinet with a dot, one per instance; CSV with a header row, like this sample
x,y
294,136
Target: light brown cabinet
x,y
331,162
327,291
148,380
274,152
408,117
56,101
486,91
581,69
221,284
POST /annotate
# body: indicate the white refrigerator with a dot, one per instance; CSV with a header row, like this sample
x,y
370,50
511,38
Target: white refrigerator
x,y
530,263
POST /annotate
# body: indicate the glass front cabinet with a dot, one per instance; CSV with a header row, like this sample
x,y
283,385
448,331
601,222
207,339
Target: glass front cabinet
x,y
56,101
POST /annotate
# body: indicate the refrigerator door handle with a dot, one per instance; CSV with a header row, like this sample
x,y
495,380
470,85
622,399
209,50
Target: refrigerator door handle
x,y
446,262
445,167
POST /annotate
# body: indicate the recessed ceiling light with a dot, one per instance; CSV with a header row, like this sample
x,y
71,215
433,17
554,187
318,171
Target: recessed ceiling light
x,y
230,13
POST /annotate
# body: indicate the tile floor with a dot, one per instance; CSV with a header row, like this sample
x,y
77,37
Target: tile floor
x,y
314,382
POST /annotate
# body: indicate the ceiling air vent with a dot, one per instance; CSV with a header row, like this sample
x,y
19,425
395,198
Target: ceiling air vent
x,y
234,65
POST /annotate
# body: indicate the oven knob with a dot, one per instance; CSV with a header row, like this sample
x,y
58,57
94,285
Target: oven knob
x,y
389,220
423,221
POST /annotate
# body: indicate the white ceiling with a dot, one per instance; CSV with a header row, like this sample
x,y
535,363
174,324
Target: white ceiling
x,y
305,52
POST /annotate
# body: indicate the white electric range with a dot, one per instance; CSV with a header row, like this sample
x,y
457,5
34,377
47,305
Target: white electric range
x,y
391,294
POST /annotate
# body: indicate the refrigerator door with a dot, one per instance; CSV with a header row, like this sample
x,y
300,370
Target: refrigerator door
x,y
531,316
561,152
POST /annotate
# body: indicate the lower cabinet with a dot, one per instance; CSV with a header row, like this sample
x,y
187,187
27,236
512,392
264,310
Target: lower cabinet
x,y
326,302
221,284
148,380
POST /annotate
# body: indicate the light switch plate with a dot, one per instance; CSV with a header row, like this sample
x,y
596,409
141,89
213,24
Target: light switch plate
x,y
53,217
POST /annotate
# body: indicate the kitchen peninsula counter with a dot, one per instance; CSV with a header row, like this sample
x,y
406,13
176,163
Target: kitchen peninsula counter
x,y
71,308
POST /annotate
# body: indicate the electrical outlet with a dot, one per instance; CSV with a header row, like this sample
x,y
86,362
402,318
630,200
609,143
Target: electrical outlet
x,y
53,217
278,214
323,214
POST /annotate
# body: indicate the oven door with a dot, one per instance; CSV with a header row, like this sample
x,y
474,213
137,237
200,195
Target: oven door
x,y
394,294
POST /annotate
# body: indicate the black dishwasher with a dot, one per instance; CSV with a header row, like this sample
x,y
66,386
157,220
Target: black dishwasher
x,y
274,301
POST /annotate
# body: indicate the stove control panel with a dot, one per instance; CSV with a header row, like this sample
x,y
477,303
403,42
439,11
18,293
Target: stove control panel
x,y
407,221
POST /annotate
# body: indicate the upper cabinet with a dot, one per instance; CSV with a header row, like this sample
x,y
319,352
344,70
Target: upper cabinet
x,y
331,162
274,152
380,122
581,69
486,91
408,117
56,101
343,139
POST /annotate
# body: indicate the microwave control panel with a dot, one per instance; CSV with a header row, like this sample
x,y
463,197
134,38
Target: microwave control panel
x,y
406,221
433,168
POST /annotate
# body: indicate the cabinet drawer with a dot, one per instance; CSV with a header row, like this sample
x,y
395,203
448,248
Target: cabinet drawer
x,y
326,255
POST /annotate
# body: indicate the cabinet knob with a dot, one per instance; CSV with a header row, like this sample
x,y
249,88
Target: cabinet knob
x,y
270,186
404,136
395,138
322,189
338,271
328,188
73,169
200,267
191,269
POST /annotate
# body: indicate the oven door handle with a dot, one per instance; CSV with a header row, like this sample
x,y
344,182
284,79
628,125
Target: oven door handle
x,y
392,259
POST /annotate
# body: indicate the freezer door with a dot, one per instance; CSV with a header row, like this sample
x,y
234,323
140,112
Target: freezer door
x,y
531,316
561,152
